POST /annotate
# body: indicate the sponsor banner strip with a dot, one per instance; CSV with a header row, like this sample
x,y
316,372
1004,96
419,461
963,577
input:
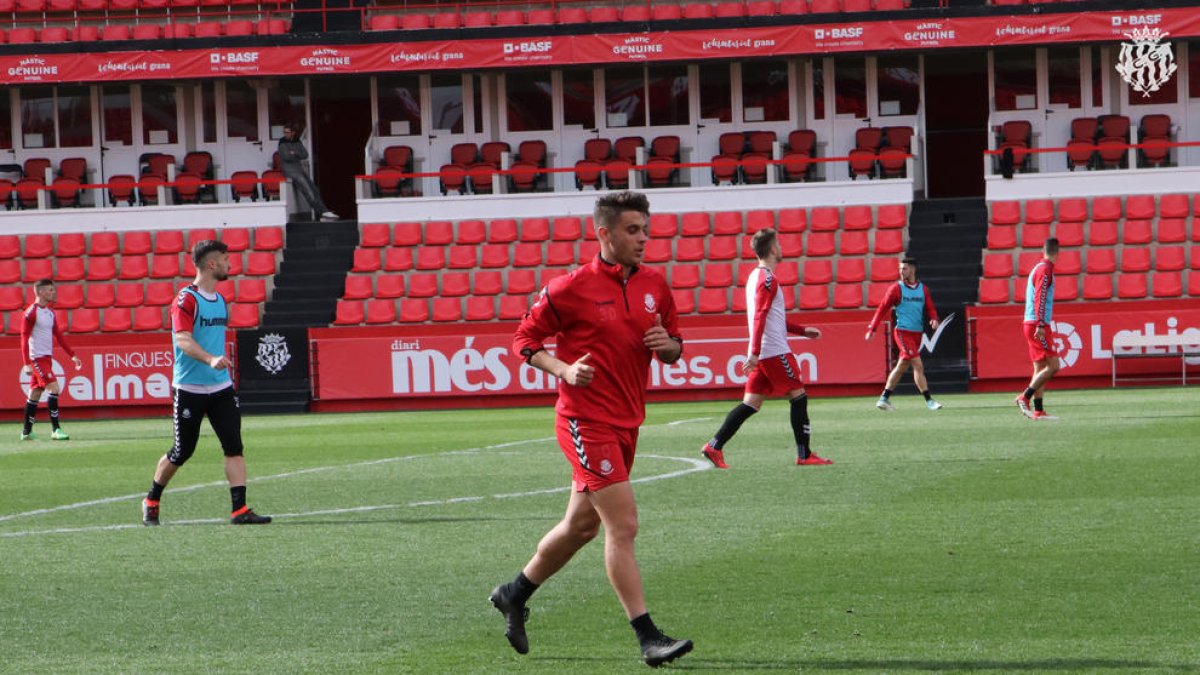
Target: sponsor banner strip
x,y
729,43
1084,336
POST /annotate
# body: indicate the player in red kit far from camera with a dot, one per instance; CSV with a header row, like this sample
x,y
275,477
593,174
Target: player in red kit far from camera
x,y
39,332
770,364
607,320
1039,333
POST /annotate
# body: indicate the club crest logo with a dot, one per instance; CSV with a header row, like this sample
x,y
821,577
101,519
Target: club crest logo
x,y
606,467
186,413
651,306
1146,64
273,353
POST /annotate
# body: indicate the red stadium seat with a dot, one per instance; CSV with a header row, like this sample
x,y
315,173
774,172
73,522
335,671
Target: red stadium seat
x,y
818,272
84,320
1069,262
512,306
1101,261
37,269
438,233
814,297
1135,259
116,320
1033,236
858,218
1168,284
130,295
527,255
10,246
164,266
397,259
1166,259
1140,207
847,296
502,231
792,220
268,238
366,260
375,235
520,282
358,287
431,258
714,301
1072,210
1026,262
889,242
446,310
1136,232
825,219
1173,206
1106,208
685,276
349,313
1171,230
885,269
70,245
406,234
994,291
134,267
822,244
251,291
1193,283
236,238
851,270
1069,234
662,225
997,265
1005,213
260,264
999,237
1102,233
853,243
39,246
243,315
727,222
1066,288
480,309
381,311
696,225
1131,286
10,271
759,220
414,311
100,268
691,250
685,301
1097,287
718,275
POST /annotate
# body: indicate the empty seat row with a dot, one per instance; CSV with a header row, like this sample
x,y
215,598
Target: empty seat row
x,y
140,6
72,245
1097,261
127,267
420,310
662,225
1076,209
128,294
629,13
1097,233
143,31
125,319
1099,287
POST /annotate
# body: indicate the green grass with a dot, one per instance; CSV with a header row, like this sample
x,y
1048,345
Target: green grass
x,y
967,540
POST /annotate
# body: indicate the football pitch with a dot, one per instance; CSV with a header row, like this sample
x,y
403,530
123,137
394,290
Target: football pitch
x,y
964,540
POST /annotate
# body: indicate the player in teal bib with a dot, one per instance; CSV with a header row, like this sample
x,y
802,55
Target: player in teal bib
x,y
911,304
202,384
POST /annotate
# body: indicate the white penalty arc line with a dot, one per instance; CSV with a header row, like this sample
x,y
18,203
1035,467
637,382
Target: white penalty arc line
x,y
697,465
301,472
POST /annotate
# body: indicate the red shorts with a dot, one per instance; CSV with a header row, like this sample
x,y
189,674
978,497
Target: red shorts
x,y
43,373
1040,350
775,375
908,342
600,454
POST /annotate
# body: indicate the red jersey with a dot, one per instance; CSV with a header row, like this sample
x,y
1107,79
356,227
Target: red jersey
x,y
594,310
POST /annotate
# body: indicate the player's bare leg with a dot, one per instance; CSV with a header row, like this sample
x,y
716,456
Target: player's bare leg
x,y
884,402
618,512
580,525
918,368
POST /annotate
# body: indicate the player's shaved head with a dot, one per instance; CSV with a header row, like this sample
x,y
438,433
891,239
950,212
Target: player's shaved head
x,y
610,207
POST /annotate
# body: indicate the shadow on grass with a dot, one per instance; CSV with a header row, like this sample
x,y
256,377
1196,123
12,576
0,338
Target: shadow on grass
x,y
885,665
434,520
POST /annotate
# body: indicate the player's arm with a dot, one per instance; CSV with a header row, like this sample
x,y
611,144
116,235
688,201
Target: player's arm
x,y
27,322
188,345
764,294
62,342
1041,290
540,322
797,328
930,310
890,300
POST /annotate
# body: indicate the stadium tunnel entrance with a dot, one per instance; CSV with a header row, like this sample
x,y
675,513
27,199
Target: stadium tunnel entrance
x,y
341,129
956,119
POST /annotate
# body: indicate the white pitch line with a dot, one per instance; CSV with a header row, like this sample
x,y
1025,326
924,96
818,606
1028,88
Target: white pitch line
x,y
301,472
697,465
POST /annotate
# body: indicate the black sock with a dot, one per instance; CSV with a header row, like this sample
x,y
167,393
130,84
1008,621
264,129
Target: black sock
x,y
645,628
733,422
237,494
30,415
522,588
155,492
1039,405
1028,393
800,428
52,406
928,396
887,393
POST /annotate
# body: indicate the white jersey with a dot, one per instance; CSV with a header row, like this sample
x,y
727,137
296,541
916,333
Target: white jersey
x,y
766,315
41,334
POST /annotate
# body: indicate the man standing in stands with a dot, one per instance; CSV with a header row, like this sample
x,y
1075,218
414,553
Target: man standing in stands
x,y
39,332
608,319
1039,332
770,363
202,385
912,304
292,160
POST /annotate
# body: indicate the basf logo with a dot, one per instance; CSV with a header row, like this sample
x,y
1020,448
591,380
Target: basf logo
x,y
1136,20
235,61
842,36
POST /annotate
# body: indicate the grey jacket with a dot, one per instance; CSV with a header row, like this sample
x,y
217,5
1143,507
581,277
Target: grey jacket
x,y
291,157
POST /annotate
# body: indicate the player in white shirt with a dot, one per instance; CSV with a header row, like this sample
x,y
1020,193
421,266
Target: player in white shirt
x,y
770,364
39,332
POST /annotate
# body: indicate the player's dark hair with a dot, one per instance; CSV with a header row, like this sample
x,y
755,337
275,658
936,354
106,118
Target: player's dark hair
x,y
909,261
206,246
42,283
610,207
1050,246
762,242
